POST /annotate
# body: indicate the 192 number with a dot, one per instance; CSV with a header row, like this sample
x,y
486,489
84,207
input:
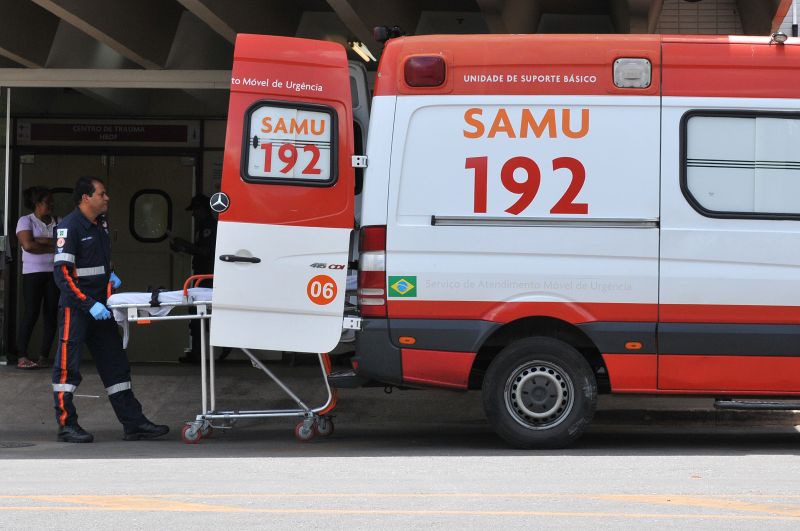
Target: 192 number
x,y
288,154
527,188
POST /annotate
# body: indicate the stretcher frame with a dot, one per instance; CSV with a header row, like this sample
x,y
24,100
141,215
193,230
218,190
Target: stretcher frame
x,y
315,421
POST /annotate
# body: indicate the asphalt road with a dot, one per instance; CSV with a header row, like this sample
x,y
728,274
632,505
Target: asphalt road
x,y
418,458
607,483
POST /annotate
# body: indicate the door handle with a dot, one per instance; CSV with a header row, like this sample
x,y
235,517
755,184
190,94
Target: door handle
x,y
234,258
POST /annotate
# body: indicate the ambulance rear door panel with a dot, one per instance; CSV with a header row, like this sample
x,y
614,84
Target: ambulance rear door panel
x,y
730,298
491,220
282,245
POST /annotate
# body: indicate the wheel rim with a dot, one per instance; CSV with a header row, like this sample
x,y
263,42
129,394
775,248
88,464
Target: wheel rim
x,y
304,433
539,395
190,434
324,426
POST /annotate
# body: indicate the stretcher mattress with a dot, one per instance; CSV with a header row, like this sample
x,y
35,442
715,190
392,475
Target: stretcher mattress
x,y
120,302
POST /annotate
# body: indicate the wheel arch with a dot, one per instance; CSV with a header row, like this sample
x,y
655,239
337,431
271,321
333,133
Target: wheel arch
x,y
538,326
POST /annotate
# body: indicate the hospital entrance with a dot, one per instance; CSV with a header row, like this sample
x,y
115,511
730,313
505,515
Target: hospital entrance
x,y
149,195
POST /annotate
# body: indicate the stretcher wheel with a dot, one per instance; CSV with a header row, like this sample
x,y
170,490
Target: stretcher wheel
x,y
206,431
304,433
325,427
190,434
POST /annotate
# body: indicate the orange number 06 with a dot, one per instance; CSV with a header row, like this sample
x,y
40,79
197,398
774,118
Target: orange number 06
x,y
321,290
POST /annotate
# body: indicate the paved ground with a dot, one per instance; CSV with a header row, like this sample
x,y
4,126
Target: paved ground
x,y
579,489
406,459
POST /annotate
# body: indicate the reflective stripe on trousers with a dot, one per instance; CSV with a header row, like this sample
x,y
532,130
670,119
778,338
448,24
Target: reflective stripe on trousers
x,y
65,388
116,388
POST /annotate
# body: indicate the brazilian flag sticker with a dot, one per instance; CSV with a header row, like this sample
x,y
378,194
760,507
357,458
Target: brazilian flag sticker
x,y
402,286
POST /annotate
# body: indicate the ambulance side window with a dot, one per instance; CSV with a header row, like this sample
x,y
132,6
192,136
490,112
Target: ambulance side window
x,y
741,164
289,143
150,215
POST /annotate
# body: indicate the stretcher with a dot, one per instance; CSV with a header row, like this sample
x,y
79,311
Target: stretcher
x,y
144,308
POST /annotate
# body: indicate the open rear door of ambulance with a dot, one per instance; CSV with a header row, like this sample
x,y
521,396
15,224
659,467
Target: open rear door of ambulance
x,y
286,203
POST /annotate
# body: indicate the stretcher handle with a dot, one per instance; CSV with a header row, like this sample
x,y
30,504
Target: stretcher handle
x,y
196,279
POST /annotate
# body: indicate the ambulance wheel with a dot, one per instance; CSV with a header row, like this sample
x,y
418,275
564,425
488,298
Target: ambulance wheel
x,y
190,434
304,433
324,427
539,392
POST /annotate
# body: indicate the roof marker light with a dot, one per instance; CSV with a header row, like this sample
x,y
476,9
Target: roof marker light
x,y
630,72
425,71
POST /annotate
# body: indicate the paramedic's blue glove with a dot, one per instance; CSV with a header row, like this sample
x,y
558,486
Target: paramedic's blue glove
x,y
99,312
115,281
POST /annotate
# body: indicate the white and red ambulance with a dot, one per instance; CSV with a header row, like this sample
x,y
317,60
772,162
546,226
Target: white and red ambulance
x,y
543,217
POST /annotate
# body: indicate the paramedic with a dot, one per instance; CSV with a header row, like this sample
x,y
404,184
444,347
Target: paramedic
x,y
205,237
83,275
202,252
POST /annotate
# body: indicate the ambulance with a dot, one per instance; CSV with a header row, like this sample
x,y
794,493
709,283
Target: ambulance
x,y
543,218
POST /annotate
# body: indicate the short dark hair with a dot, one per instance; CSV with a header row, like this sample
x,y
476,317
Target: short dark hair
x,y
33,195
84,185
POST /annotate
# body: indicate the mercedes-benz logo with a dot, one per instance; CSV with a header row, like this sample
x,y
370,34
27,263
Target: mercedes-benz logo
x,y
219,202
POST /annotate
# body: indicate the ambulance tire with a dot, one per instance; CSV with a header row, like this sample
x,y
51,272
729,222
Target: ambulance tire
x,y
539,392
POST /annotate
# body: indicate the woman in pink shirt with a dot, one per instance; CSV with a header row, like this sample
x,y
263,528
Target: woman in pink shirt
x,y
39,291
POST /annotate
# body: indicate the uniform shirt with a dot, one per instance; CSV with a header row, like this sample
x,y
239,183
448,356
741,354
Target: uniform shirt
x,y
31,262
205,239
82,261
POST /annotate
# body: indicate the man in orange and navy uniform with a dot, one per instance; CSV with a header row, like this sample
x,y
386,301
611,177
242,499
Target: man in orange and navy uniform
x,y
83,275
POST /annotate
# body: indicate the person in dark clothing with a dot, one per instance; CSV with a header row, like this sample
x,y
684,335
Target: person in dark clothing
x,y
83,274
205,237
202,251
35,233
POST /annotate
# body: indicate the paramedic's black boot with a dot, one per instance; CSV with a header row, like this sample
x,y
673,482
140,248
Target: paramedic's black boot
x,y
72,433
145,430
